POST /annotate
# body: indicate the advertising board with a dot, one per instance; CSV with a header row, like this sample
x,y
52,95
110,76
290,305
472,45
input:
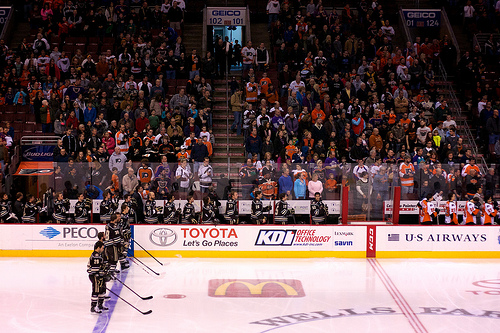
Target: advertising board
x,y
409,207
48,239
422,18
226,16
258,241
441,241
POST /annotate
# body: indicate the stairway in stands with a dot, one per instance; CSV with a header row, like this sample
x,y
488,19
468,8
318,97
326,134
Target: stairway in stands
x,y
229,152
192,37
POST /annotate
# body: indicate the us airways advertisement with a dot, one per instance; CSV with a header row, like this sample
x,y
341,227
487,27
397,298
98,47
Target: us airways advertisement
x,y
438,238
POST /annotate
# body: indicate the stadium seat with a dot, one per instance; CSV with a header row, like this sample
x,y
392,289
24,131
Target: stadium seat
x,y
29,128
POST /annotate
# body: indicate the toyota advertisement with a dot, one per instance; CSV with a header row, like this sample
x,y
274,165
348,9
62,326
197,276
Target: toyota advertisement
x,y
251,238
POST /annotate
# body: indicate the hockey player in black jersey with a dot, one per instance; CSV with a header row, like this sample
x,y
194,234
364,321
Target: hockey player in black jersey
x,y
82,209
282,212
319,211
132,204
208,212
31,208
189,213
61,208
231,214
126,235
151,212
170,215
258,209
107,207
6,215
96,270
113,242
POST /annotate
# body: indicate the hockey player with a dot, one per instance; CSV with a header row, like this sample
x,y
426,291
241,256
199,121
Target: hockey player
x,y
96,270
473,212
126,234
107,207
451,216
188,213
113,242
428,210
319,211
490,211
169,212
231,214
32,207
258,209
132,204
6,215
282,212
150,210
208,212
82,209
61,209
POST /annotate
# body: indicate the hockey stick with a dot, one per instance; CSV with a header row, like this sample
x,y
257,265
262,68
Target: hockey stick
x,y
143,298
144,313
146,266
147,252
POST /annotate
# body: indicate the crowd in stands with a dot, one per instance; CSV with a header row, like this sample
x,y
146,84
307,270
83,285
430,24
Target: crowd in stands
x,y
346,93
480,92
115,82
341,93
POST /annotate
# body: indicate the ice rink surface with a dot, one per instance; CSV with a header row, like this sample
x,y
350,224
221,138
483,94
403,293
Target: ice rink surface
x,y
259,295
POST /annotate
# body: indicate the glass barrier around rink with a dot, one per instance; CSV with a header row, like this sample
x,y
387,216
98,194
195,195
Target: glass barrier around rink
x,y
370,186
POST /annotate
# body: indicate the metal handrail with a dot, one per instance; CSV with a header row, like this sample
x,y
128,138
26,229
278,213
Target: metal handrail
x,y
462,124
451,32
409,37
227,117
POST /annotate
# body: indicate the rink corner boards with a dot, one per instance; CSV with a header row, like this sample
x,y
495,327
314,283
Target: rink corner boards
x,y
225,241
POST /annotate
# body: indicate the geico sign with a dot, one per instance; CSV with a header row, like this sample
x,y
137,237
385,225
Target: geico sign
x,y
209,232
424,15
255,288
226,12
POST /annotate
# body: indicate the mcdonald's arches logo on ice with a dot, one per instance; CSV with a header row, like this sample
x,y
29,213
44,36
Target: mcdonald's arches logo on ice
x,y
255,288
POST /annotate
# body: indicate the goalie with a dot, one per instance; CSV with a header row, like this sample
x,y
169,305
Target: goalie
x,y
283,213
319,211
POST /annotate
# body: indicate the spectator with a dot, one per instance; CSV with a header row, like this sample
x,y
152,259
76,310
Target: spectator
x,y
285,182
117,160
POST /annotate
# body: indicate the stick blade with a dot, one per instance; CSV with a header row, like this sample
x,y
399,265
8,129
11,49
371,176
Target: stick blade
x,y
146,298
147,312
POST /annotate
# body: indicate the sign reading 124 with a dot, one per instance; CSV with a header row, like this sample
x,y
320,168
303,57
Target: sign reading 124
x,y
422,18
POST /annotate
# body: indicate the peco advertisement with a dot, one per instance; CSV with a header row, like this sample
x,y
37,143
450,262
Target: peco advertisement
x,y
49,237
